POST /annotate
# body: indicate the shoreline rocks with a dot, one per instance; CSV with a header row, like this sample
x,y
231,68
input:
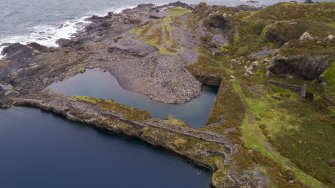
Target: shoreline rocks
x,y
108,43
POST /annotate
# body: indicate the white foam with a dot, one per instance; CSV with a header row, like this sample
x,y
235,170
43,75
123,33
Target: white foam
x,y
105,12
47,35
1,48
120,9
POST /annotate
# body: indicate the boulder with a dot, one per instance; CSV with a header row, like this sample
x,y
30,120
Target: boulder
x,y
17,51
305,65
100,25
75,44
282,32
223,22
38,47
306,36
330,37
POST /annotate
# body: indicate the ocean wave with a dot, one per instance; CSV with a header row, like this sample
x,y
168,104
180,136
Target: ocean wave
x,y
47,35
1,48
115,10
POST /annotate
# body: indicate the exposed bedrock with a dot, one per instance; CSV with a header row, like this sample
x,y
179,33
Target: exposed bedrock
x,y
281,32
163,77
309,67
108,43
209,80
17,51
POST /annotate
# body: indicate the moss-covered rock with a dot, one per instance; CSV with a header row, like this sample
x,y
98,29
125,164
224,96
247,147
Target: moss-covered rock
x,y
281,32
308,59
109,105
323,12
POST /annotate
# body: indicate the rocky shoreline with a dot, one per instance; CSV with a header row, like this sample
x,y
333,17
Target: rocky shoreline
x,y
108,43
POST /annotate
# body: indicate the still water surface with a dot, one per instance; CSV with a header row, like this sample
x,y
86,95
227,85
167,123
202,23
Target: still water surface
x,y
38,149
99,84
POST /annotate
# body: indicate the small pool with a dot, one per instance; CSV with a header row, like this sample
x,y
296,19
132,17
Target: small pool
x,y
99,84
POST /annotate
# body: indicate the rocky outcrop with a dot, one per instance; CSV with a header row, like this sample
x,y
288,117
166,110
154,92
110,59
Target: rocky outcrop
x,y
74,44
281,32
37,47
265,52
222,21
17,51
305,65
132,47
108,43
209,80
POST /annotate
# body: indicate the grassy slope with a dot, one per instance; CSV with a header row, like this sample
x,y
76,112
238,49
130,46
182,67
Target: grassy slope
x,y
286,139
294,134
160,32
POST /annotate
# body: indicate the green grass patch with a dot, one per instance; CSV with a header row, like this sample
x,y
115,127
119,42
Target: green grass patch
x,y
323,12
178,11
297,131
160,33
109,105
330,75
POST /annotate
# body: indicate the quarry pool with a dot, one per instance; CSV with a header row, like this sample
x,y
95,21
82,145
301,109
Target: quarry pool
x,y
99,84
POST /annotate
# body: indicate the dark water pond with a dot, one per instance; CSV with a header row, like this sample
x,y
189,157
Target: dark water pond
x,y
38,149
99,84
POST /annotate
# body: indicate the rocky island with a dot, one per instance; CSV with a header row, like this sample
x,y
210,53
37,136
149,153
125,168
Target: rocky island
x,y
273,121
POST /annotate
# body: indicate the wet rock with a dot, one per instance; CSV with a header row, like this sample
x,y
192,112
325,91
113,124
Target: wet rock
x,y
100,25
38,47
17,51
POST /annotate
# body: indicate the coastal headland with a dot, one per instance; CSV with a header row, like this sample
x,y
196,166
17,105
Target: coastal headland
x,y
272,123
